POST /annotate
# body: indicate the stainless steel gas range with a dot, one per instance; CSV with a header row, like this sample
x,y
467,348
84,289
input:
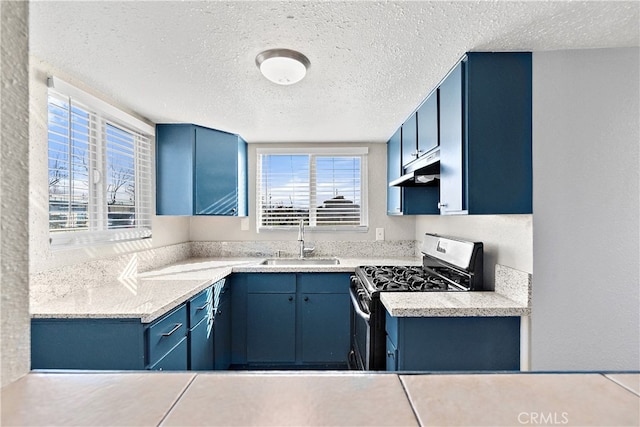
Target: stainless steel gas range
x,y
448,265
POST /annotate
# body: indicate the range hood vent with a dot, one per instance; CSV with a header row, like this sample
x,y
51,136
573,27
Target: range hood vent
x,y
423,172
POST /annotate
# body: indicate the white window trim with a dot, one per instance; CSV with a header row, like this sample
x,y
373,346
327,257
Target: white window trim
x,y
105,112
321,151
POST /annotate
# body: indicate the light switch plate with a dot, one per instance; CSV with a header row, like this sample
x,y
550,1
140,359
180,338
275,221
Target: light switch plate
x,y
379,233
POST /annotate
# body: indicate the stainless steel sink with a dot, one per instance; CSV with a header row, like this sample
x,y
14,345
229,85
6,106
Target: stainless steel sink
x,y
301,261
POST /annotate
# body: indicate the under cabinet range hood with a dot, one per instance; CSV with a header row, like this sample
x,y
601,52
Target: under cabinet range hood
x,y
422,172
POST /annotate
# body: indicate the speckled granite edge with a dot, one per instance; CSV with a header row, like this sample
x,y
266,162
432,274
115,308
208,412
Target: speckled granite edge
x,y
513,284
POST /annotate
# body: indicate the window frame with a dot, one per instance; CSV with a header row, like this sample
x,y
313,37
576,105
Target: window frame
x,y
314,152
101,116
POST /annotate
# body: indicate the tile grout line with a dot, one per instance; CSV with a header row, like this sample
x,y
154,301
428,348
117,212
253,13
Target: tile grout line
x,y
406,393
173,405
635,393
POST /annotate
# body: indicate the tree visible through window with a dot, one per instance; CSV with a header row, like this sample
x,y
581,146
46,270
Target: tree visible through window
x,y
96,168
322,190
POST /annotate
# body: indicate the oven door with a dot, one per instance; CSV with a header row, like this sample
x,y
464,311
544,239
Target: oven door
x,y
360,352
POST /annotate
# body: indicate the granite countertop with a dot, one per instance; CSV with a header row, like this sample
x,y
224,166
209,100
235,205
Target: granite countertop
x,y
149,295
448,304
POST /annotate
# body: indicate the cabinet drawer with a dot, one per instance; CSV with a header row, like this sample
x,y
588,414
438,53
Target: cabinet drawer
x,y
166,333
324,283
269,283
200,306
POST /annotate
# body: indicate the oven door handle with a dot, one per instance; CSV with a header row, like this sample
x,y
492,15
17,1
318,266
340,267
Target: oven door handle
x,y
356,307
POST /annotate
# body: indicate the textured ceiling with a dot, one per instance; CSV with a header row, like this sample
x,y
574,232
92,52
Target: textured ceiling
x,y
372,63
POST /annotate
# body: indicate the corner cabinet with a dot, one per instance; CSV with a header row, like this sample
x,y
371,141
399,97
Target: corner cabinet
x,y
453,343
179,340
290,320
200,171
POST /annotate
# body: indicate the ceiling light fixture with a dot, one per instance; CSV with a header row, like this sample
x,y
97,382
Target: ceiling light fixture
x,y
283,66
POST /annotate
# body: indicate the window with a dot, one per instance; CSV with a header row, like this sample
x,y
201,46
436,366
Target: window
x,y
326,188
99,172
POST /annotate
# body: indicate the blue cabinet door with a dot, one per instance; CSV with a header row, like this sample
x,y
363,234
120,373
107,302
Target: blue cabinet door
x,y
428,124
222,333
394,171
216,173
174,360
175,145
271,327
409,139
201,336
324,327
452,178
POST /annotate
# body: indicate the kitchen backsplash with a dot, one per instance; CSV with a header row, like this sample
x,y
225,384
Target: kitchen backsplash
x,y
513,284
291,248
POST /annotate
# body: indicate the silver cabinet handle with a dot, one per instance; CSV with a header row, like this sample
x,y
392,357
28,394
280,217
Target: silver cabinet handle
x,y
203,307
175,328
390,354
441,205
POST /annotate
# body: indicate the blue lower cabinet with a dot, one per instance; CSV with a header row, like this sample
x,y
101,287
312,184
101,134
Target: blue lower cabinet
x,y
453,343
180,340
290,320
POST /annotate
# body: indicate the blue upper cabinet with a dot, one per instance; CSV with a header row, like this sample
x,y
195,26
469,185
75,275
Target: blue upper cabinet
x,y
485,135
451,141
394,171
409,139
417,200
427,116
200,171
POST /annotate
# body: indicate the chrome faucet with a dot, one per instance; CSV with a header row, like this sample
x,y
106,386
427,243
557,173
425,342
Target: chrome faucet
x,y
303,250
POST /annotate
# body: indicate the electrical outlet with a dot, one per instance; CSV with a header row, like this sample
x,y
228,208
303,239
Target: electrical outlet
x,y
379,233
244,224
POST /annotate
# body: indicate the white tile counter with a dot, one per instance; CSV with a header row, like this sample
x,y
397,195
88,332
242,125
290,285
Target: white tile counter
x,y
313,398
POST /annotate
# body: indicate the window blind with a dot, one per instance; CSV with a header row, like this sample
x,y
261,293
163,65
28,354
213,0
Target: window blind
x,y
322,189
99,176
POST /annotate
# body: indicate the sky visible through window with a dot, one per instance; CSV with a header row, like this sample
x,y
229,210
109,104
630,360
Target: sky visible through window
x,y
303,186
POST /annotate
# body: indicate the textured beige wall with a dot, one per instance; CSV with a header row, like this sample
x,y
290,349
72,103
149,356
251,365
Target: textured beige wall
x,y
14,190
